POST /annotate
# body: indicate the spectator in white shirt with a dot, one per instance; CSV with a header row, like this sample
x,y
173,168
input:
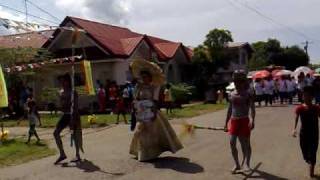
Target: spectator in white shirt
x,y
283,89
276,90
302,82
309,80
268,90
258,88
291,89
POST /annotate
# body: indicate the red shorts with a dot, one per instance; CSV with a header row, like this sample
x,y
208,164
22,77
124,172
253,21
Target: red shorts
x,y
239,127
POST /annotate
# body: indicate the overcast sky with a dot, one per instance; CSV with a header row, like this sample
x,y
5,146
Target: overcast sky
x,y
188,21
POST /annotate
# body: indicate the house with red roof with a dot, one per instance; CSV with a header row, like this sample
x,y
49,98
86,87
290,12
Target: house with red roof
x,y
111,49
35,39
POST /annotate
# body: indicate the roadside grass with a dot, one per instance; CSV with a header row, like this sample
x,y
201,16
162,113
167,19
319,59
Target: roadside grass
x,y
195,110
15,151
50,121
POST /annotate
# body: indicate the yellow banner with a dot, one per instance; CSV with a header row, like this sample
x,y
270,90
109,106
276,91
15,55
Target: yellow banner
x,y
3,90
86,66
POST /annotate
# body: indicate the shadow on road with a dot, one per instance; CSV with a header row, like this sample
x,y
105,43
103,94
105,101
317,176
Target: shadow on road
x,y
88,167
178,164
261,174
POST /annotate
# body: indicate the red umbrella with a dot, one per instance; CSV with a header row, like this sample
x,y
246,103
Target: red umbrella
x,y
261,74
274,72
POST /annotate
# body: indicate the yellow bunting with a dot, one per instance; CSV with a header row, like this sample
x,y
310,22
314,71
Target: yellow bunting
x,y
3,90
86,67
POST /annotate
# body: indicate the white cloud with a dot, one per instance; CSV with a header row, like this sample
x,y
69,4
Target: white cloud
x,y
9,15
189,21
110,11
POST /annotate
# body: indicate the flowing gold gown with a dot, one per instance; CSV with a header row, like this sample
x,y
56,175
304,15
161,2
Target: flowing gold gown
x,y
155,137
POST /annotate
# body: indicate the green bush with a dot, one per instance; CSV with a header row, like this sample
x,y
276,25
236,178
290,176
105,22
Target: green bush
x,y
182,93
49,95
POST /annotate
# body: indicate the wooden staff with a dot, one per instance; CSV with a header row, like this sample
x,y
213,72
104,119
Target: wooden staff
x,y
189,129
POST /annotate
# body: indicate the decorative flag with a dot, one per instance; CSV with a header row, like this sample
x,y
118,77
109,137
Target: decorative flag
x,y
3,90
86,67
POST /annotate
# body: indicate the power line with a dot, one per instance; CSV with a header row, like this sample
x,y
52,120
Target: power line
x,y
43,10
31,15
26,8
271,19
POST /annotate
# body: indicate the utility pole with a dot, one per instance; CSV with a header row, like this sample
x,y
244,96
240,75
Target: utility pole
x,y
306,46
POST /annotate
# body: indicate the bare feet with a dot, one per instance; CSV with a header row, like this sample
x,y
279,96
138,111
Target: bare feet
x,y
246,169
76,160
311,171
61,158
235,169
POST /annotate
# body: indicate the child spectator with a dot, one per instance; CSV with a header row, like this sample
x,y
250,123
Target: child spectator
x,y
121,109
33,117
309,131
168,98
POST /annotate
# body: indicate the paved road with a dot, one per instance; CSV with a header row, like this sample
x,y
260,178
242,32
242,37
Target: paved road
x,y
276,154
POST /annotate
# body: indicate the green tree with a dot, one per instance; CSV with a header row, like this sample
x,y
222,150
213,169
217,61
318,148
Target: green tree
x,y
208,57
215,42
200,54
272,53
292,57
12,56
259,58
17,56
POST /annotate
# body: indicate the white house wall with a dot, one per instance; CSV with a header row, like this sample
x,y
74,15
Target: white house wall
x,y
120,70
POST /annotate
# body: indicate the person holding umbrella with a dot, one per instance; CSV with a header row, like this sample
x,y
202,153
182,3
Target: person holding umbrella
x,y
268,90
154,134
259,90
302,82
291,89
283,86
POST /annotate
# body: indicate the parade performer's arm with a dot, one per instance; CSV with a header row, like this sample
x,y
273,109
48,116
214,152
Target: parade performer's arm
x,y
294,132
253,112
229,113
75,116
156,101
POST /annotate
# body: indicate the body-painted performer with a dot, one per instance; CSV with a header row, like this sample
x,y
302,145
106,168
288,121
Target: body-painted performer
x,y
70,118
154,134
238,123
309,130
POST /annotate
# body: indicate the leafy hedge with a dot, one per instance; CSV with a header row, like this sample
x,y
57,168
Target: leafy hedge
x,y
182,93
